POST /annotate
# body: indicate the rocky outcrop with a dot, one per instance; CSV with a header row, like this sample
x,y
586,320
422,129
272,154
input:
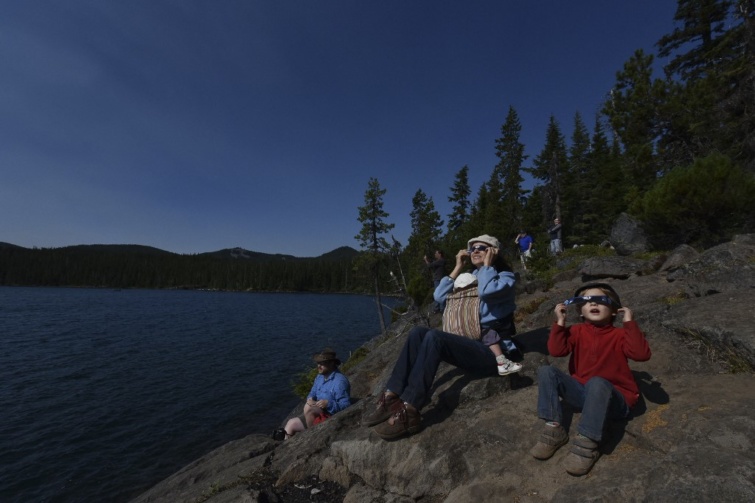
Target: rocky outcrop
x,y
628,236
690,438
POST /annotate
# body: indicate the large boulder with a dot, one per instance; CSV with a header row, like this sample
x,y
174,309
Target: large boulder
x,y
611,267
680,256
729,266
628,236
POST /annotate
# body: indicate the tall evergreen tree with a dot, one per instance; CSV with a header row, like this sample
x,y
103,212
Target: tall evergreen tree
x,y
605,198
576,184
423,241
713,58
371,237
459,216
632,111
510,152
549,166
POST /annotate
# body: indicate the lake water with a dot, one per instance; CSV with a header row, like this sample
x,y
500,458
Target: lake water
x,y
104,393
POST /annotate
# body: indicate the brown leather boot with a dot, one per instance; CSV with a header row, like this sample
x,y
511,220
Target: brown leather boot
x,y
405,420
383,410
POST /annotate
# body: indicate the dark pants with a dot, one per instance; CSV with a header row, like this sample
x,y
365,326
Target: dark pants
x,y
598,399
414,371
438,306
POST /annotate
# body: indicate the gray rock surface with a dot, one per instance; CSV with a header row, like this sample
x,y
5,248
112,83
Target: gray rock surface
x,y
690,439
627,236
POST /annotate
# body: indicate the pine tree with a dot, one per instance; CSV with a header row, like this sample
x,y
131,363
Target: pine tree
x,y
710,107
370,237
632,111
459,216
550,165
576,184
510,152
423,241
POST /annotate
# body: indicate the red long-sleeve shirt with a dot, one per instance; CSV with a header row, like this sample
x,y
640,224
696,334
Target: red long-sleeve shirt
x,y
602,351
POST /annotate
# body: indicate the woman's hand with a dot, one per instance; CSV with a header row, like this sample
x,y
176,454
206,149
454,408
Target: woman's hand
x,y
490,255
560,313
627,314
461,257
323,404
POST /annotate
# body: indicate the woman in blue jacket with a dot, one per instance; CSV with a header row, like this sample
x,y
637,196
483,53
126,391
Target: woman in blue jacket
x,y
408,389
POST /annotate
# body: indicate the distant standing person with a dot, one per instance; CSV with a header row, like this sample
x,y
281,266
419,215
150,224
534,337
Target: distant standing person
x,y
525,242
438,269
331,392
555,234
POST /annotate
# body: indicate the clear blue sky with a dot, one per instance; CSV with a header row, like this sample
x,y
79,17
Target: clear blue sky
x,y
193,126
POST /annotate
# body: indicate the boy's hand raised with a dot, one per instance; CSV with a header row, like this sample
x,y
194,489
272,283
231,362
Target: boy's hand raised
x,y
627,314
560,312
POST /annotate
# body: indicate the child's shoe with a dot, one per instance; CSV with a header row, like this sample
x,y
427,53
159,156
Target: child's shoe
x,y
551,439
506,366
582,455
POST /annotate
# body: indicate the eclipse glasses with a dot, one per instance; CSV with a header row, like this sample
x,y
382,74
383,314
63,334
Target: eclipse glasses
x,y
584,299
475,248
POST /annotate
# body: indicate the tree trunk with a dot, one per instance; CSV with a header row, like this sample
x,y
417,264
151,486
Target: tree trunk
x,y
379,303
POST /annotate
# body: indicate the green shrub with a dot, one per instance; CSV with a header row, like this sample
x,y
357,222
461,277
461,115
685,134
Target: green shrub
x,y
356,357
702,204
302,382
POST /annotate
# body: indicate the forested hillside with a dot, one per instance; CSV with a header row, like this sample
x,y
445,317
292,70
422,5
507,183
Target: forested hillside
x,y
133,266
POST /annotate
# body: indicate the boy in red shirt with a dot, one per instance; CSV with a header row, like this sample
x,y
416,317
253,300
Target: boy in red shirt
x,y
599,381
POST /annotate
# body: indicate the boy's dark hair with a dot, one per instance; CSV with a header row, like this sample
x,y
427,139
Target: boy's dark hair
x,y
604,287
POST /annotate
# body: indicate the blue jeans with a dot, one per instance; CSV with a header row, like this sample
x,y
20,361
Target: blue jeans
x,y
598,400
414,371
556,246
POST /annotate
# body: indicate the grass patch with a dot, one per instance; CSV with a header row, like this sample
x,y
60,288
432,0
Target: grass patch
x,y
356,357
672,300
544,266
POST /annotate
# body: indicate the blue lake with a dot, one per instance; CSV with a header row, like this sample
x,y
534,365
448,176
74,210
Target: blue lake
x,y
104,393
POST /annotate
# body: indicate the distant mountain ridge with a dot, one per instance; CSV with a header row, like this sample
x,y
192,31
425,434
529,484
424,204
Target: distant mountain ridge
x,y
341,253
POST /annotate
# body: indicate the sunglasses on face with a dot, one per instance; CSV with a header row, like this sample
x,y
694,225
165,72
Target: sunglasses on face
x,y
324,364
584,299
480,248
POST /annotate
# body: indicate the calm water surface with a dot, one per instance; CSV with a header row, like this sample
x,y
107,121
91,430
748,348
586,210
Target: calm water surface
x,y
103,393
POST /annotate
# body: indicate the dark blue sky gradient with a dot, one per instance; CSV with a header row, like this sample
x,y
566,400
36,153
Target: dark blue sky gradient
x,y
193,126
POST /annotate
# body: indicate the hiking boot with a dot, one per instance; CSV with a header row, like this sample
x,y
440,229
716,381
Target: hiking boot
x,y
582,455
405,419
383,410
551,439
506,366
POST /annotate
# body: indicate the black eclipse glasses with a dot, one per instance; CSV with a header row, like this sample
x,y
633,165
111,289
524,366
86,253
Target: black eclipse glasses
x,y
584,299
475,248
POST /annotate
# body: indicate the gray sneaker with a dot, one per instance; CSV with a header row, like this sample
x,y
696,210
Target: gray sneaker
x,y
551,439
582,455
506,366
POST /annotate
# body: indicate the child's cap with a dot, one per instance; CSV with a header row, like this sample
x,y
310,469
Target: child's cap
x,y
464,280
608,289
